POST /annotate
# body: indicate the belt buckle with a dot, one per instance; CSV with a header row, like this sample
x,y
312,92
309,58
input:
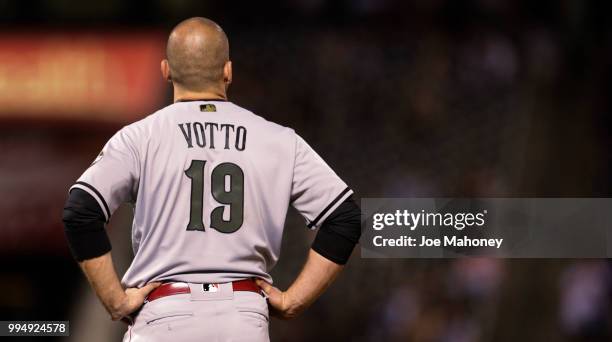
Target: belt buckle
x,y
210,288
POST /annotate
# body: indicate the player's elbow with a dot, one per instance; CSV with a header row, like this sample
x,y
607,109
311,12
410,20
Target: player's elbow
x,y
81,212
84,226
339,233
71,218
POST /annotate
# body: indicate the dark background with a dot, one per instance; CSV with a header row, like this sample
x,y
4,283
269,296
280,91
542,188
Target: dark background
x,y
438,98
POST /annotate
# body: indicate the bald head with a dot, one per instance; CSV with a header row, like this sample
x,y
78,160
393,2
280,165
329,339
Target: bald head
x,y
197,52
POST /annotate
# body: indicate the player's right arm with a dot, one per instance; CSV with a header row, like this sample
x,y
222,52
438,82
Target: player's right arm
x,y
326,203
316,276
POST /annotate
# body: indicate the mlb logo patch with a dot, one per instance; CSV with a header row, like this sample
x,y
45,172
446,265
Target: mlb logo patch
x,y
208,108
210,287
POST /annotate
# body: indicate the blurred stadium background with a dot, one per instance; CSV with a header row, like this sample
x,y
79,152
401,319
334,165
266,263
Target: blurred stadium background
x,y
449,98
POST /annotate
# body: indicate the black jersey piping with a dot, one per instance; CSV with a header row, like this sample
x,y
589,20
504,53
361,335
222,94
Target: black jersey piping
x,y
99,196
328,208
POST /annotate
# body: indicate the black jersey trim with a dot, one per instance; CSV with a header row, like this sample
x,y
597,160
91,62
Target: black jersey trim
x,y
205,100
90,187
329,206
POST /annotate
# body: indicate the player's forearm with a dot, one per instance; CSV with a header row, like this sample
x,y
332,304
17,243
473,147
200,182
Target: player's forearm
x,y
316,276
101,274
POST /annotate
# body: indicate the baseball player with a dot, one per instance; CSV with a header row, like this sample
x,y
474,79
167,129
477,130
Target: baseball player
x,y
211,183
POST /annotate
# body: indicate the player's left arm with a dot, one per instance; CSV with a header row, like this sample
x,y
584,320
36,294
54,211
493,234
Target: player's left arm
x,y
108,182
90,246
102,276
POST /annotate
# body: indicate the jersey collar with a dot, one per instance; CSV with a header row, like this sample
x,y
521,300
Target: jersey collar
x,y
205,100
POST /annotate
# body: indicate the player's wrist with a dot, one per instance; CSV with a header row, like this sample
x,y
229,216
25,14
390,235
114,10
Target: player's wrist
x,y
118,306
292,306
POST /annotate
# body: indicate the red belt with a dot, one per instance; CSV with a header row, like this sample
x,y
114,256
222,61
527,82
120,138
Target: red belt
x,y
169,289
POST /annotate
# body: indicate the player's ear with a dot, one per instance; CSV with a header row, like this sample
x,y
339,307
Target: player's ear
x,y
165,70
227,73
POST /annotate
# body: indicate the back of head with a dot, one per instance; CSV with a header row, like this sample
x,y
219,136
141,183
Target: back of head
x,y
197,51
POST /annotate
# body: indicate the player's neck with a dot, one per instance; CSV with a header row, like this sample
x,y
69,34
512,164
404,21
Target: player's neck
x,y
183,95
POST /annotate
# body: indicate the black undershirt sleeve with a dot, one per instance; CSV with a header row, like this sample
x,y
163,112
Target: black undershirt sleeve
x,y
84,226
339,233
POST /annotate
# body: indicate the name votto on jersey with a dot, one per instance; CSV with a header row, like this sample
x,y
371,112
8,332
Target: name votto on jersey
x,y
207,134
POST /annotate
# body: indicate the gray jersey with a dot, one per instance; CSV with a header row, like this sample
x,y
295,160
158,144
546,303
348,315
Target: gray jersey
x,y
211,183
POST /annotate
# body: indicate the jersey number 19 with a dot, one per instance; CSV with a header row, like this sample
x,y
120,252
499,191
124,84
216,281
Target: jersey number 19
x,y
232,196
